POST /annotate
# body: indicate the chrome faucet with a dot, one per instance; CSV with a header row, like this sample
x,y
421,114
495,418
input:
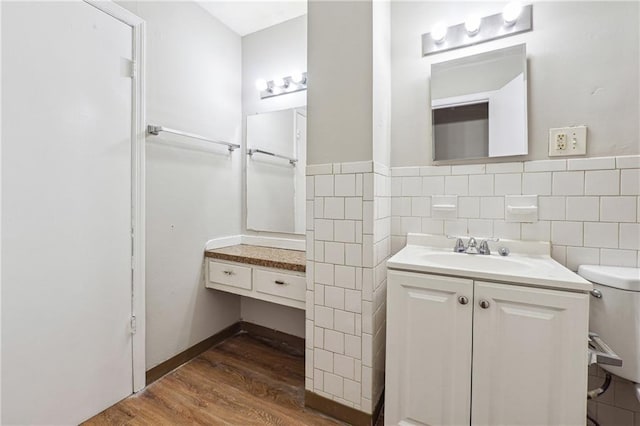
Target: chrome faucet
x,y
472,247
484,247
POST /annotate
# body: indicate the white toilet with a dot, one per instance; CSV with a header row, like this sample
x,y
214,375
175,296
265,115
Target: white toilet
x,y
614,314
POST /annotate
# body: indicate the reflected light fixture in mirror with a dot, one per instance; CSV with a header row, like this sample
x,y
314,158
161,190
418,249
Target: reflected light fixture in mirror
x,y
514,19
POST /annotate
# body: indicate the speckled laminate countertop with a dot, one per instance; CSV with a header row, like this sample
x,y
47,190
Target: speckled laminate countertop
x,y
291,260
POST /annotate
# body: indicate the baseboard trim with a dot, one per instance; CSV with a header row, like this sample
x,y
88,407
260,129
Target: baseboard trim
x,y
187,355
279,337
342,412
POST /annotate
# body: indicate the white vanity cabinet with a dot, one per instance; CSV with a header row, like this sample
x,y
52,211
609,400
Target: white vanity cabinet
x,y
464,351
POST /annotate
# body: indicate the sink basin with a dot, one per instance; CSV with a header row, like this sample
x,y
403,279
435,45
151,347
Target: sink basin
x,y
529,263
477,262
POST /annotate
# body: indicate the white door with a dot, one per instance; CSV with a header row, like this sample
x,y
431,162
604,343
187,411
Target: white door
x,y
428,368
66,212
529,356
508,119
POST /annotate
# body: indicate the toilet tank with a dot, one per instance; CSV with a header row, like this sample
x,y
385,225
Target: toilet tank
x,y
616,315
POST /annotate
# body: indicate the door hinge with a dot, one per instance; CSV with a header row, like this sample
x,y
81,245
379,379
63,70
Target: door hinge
x,y
133,325
134,69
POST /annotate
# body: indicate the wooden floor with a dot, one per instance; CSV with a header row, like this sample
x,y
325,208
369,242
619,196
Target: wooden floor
x,y
243,381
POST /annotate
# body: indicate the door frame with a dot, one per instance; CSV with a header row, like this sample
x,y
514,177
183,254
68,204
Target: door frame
x,y
138,135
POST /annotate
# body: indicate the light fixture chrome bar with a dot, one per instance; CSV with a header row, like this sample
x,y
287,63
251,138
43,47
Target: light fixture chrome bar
x,y
290,86
291,160
155,130
491,28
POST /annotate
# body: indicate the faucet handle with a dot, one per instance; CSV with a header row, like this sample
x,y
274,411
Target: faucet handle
x,y
459,247
484,247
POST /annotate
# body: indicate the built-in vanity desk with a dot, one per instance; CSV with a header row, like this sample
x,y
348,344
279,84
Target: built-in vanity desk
x,y
271,274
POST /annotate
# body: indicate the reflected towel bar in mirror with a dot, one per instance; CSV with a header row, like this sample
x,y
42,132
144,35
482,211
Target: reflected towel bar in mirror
x,y
292,161
155,130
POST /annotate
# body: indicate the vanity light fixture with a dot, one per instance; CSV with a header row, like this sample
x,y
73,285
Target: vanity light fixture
x,y
514,19
261,84
296,82
279,82
472,25
439,32
511,13
297,77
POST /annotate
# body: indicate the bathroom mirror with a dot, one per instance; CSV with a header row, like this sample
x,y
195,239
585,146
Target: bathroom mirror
x,y
276,158
479,105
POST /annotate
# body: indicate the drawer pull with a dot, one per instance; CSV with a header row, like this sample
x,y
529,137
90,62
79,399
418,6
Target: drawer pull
x,y
280,282
228,272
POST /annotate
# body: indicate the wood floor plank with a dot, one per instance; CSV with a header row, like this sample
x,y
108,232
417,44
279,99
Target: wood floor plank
x,y
242,381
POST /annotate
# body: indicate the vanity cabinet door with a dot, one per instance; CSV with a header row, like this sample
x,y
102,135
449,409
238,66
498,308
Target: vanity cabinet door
x,y
529,356
428,366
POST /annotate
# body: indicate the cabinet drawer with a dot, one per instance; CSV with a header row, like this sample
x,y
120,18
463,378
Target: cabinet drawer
x,y
230,274
284,285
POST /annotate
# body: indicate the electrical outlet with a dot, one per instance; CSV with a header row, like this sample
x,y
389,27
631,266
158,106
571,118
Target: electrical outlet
x,y
561,141
565,141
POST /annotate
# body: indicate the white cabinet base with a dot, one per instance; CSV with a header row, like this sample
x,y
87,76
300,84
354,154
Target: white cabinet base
x,y
428,369
511,355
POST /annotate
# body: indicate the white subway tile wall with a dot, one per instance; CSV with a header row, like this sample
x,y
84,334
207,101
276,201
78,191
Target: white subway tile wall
x,y
589,208
348,242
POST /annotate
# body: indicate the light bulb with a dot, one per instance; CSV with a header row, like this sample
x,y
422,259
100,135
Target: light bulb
x,y
511,12
439,32
472,24
261,85
278,82
297,77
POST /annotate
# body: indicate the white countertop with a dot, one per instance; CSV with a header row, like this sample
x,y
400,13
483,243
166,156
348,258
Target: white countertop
x,y
529,263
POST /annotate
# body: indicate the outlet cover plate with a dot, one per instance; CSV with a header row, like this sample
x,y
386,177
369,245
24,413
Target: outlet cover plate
x,y
568,141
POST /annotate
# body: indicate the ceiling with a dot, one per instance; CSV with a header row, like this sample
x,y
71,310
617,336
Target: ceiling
x,y
246,17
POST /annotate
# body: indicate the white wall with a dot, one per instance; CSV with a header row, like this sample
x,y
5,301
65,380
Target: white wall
x,y
381,74
340,124
193,188
273,52
271,315
583,69
276,51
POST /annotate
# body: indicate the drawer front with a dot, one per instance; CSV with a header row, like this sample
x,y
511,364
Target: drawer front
x,y
284,285
230,274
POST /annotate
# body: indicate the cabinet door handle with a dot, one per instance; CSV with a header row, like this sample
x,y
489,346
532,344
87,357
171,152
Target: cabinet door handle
x,y
463,300
280,282
484,304
228,272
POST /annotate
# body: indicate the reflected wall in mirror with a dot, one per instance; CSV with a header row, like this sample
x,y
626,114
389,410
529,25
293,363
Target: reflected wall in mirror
x,y
479,105
276,148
